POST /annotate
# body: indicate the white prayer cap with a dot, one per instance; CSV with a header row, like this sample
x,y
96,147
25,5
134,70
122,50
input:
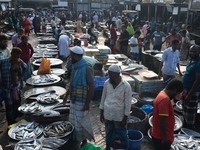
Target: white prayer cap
x,y
114,68
77,50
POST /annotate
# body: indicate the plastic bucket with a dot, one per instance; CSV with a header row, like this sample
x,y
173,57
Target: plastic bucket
x,y
135,139
147,108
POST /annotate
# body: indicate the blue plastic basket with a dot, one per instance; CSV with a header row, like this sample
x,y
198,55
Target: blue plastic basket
x,y
99,83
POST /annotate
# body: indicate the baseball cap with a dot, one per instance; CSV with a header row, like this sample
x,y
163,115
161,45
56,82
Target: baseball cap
x,y
114,68
77,50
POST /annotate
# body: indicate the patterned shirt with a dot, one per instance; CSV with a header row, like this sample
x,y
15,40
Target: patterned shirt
x,y
116,102
5,66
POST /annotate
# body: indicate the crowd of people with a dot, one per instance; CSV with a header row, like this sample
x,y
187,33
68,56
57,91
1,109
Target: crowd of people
x,y
116,98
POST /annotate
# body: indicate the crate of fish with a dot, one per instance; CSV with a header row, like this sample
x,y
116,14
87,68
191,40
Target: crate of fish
x,y
99,83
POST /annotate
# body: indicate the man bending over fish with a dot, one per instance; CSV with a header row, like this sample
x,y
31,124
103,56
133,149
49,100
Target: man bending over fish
x,y
81,91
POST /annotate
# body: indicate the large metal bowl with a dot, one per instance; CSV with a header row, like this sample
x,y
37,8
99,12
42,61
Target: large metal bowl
x,y
179,106
178,122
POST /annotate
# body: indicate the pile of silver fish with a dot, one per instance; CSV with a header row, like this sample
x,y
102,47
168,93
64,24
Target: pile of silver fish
x,y
52,143
43,79
28,144
48,98
185,142
30,108
25,130
58,129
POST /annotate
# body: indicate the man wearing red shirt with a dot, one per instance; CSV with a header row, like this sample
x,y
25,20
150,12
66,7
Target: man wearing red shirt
x,y
27,52
163,116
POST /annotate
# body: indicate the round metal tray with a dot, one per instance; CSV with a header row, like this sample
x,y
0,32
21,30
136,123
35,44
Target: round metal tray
x,y
57,123
40,80
53,96
37,144
22,127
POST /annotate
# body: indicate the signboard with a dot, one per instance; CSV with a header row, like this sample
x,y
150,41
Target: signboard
x,y
175,11
62,4
95,5
138,7
3,7
183,9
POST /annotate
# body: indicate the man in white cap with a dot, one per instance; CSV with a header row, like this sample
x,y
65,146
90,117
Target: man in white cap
x,y
81,91
115,107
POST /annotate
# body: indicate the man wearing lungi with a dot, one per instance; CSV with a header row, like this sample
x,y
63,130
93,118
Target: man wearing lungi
x,y
170,60
81,91
12,71
115,107
191,81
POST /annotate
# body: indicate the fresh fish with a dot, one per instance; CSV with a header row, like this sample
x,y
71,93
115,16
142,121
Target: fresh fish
x,y
27,130
30,108
52,143
184,142
29,144
58,129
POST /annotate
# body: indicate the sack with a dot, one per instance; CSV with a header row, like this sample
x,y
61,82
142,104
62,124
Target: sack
x,y
44,67
87,127
90,146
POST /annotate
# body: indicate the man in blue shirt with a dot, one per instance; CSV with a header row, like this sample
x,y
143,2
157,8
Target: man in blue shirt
x,y
156,39
191,82
152,25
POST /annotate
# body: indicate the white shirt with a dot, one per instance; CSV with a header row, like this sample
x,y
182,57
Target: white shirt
x,y
114,19
170,60
116,102
118,23
53,23
134,49
63,44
